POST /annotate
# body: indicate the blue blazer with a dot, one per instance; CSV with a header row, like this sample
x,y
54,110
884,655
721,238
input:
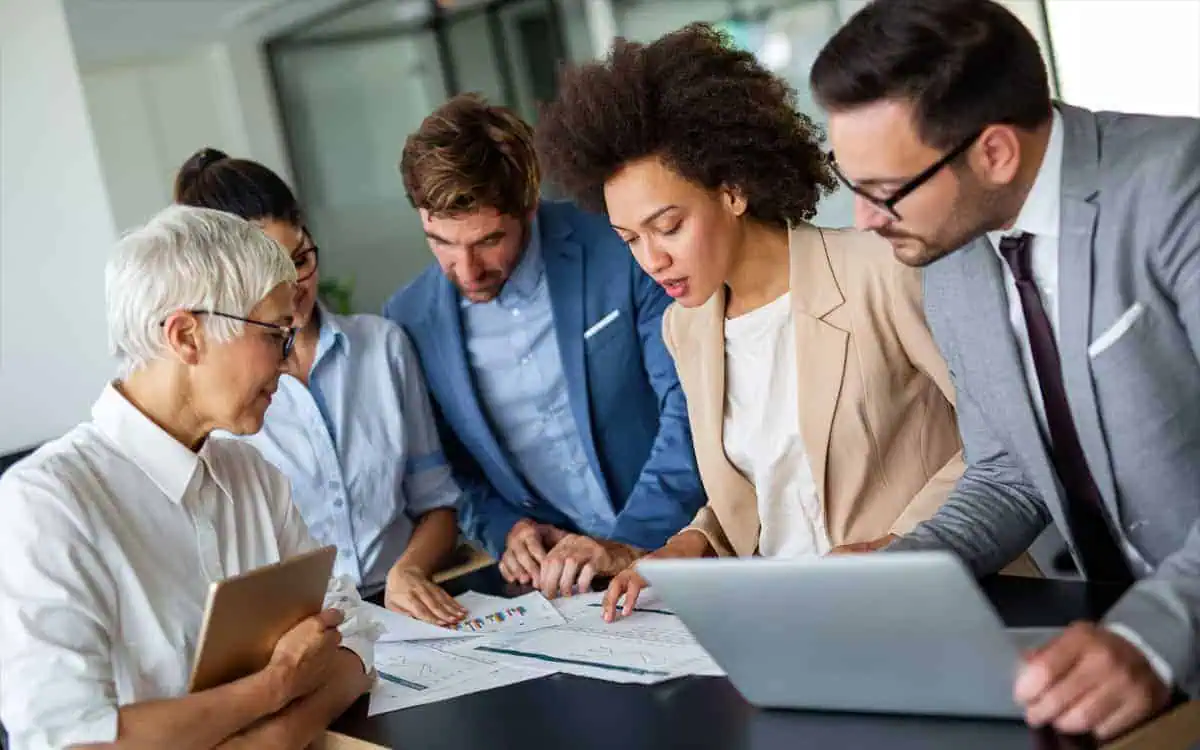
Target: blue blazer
x,y
622,386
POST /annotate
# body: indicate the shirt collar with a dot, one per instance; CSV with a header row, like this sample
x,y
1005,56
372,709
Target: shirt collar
x,y
331,334
522,285
1041,211
171,465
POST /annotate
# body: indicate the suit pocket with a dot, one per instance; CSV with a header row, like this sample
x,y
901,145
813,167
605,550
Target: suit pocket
x,y
1117,330
603,332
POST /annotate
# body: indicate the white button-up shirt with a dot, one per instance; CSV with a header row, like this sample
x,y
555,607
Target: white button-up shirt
x,y
109,539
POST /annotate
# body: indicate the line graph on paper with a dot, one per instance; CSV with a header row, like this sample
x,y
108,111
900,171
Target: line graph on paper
x,y
421,669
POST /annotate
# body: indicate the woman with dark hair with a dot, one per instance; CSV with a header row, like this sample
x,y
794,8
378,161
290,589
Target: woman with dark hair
x,y
351,425
821,410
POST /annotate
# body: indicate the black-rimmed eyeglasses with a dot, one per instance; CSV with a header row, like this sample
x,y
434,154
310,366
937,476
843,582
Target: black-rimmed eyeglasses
x,y
888,204
287,334
306,260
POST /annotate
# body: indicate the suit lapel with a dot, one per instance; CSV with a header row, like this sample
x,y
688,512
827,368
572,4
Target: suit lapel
x,y
736,502
566,279
821,347
995,361
1076,234
451,350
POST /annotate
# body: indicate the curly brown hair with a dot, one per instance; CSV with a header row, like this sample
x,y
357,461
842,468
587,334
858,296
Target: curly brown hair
x,y
710,111
469,154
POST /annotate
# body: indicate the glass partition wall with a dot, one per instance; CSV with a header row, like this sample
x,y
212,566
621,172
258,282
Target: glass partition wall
x,y
353,83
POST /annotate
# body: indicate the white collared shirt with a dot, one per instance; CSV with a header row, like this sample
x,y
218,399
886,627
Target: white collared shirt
x,y
109,539
1041,216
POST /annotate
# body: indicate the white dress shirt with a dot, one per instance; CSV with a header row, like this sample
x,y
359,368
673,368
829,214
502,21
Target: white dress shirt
x,y
761,431
109,539
1041,216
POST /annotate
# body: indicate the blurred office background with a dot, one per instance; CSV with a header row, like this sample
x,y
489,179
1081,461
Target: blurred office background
x,y
101,100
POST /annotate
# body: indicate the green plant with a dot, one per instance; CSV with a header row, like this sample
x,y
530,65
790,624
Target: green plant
x,y
335,294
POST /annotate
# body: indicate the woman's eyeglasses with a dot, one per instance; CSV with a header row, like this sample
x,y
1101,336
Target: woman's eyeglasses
x,y
286,334
306,260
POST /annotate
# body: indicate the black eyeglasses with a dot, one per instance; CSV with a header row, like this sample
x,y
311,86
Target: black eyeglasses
x,y
306,260
888,204
287,334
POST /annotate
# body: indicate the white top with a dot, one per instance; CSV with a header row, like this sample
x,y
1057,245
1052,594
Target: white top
x,y
109,539
762,430
1041,216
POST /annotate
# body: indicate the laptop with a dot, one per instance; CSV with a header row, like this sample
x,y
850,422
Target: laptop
x,y
896,633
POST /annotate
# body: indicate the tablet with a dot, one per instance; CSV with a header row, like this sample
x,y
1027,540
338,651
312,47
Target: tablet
x,y
247,614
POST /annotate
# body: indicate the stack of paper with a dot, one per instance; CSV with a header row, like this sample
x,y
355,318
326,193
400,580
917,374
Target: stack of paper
x,y
413,674
485,614
416,666
505,641
650,646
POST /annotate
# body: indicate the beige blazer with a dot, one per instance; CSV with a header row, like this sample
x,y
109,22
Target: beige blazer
x,y
876,402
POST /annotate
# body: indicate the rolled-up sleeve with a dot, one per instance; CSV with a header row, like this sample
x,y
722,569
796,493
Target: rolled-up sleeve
x,y
56,618
428,483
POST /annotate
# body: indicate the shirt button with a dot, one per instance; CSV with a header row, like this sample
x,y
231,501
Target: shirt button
x,y
339,503
529,503
525,360
516,313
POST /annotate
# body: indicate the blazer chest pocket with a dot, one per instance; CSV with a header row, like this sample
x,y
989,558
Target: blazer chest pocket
x,y
1140,369
604,331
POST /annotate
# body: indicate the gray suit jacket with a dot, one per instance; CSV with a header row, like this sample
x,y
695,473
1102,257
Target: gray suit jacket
x,y
1129,333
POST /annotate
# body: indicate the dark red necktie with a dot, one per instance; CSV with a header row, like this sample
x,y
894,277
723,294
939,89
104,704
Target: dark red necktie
x,y
1094,539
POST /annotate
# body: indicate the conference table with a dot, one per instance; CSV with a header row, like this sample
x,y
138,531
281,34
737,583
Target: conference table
x,y
707,713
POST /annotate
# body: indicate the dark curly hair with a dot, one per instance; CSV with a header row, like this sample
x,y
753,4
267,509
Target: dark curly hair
x,y
710,111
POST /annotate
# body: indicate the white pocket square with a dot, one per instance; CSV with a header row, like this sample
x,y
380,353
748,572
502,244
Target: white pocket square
x,y
600,325
1117,330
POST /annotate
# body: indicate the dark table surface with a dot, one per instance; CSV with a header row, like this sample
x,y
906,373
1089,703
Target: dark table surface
x,y
705,713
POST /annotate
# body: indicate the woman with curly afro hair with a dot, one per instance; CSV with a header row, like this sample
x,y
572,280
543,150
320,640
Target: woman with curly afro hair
x,y
821,410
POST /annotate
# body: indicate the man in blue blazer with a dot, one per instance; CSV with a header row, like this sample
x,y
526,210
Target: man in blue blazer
x,y
562,413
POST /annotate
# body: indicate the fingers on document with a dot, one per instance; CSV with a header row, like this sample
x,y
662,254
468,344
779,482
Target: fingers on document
x,y
445,610
626,584
413,606
551,577
529,564
585,578
570,574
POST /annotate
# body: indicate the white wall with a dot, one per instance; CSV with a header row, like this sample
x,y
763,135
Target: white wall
x,y
55,232
149,116
1128,55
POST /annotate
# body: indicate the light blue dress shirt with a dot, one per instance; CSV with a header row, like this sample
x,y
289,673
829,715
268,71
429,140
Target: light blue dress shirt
x,y
359,444
513,353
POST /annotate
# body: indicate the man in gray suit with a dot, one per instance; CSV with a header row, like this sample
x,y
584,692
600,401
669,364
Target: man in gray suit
x,y
1062,255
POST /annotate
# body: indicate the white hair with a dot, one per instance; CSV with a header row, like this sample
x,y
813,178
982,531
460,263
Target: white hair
x,y
187,258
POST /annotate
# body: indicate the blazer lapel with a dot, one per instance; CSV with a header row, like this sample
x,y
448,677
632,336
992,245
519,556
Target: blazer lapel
x,y
995,361
451,351
821,347
735,502
565,271
1076,233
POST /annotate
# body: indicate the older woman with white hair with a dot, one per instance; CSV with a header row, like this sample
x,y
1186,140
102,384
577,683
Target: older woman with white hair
x,y
112,534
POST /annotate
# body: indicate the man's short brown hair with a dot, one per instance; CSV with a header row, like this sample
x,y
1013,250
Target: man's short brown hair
x,y
469,155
